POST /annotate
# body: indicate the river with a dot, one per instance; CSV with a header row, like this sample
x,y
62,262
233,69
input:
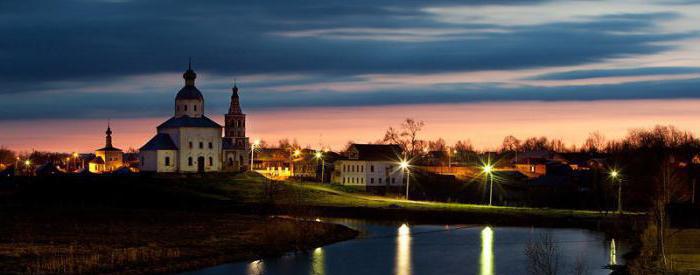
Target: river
x,y
405,249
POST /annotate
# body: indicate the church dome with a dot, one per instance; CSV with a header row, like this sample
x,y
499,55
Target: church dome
x,y
189,92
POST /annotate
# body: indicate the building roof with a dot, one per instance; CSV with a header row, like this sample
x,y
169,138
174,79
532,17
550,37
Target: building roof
x,y
109,148
376,152
97,160
186,121
189,92
160,141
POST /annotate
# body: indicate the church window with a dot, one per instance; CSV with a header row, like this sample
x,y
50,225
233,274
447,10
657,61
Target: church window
x,y
371,180
167,161
380,180
211,146
190,145
211,161
201,145
230,161
371,169
185,107
195,107
189,161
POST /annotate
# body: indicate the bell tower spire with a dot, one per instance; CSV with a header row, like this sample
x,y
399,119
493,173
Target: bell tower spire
x,y
108,138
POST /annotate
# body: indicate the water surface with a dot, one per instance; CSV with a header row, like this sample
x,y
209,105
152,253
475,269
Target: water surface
x,y
405,249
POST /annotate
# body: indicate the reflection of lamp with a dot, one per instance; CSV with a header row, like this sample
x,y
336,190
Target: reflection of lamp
x,y
256,268
403,251
317,262
613,253
486,263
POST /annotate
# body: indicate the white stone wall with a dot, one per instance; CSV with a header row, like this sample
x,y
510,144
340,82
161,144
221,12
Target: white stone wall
x,y
360,173
189,107
197,135
163,166
148,161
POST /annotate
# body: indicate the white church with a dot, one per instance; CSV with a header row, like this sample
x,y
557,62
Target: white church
x,y
190,142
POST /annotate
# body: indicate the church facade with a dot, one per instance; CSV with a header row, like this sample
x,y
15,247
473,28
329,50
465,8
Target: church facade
x,y
190,142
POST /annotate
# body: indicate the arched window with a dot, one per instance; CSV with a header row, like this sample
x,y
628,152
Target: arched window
x,y
190,145
211,145
189,161
211,161
230,161
195,107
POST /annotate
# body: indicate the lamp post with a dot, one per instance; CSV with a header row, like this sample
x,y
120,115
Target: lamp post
x,y
295,155
488,170
27,163
319,156
256,143
615,177
404,168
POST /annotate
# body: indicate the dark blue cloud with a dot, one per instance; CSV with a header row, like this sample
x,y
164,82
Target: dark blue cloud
x,y
584,74
159,102
87,40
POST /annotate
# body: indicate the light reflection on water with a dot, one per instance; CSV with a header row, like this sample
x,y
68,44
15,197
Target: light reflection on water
x,y
486,263
402,249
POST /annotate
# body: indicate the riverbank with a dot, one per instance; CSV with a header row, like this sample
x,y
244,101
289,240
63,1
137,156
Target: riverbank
x,y
148,241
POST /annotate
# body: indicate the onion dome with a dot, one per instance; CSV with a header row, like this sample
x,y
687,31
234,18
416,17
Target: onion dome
x,y
189,91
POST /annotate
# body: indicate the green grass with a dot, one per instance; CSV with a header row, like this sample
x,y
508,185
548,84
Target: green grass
x,y
250,188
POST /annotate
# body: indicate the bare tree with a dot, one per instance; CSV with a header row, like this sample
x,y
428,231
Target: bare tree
x,y
510,144
594,143
7,155
407,138
437,145
542,255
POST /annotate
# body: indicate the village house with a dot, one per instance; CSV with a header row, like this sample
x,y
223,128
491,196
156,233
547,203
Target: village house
x,y
370,166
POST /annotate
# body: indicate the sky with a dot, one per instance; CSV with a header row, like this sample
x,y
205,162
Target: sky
x,y
326,72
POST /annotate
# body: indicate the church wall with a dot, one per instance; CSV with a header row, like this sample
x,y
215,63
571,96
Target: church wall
x,y
189,107
163,165
148,161
205,136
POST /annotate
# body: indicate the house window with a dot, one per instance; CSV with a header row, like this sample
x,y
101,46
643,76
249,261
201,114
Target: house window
x,y
167,161
371,169
201,145
211,161
211,145
190,145
189,161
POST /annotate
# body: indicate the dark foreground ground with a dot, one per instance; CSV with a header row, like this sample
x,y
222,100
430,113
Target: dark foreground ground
x,y
141,224
148,241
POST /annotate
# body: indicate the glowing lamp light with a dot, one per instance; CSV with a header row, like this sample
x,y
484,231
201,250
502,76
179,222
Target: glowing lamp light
x,y
27,162
488,168
297,152
318,155
614,174
75,155
403,164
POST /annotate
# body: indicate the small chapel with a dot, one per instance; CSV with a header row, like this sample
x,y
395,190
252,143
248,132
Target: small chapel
x,y
190,142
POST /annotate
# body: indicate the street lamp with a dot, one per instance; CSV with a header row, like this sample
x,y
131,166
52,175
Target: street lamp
x,y
615,176
256,143
488,170
404,165
319,156
26,164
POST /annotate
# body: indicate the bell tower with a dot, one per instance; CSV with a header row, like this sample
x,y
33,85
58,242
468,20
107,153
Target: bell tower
x,y
235,118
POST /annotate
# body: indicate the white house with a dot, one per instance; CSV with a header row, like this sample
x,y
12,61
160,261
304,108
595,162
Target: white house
x,y
370,165
189,142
